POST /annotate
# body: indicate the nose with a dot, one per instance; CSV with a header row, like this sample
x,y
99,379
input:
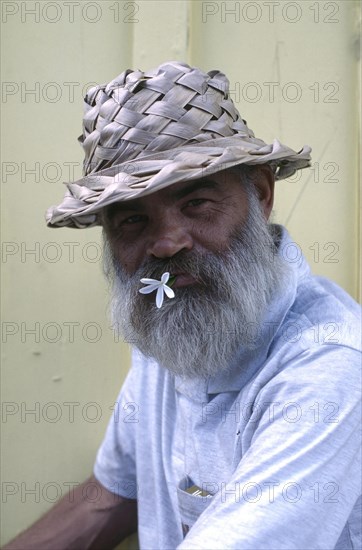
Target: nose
x,y
168,238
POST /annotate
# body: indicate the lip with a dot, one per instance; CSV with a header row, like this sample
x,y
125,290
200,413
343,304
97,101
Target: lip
x,y
183,279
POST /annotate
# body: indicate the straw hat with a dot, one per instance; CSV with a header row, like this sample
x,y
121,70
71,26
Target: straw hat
x,y
145,131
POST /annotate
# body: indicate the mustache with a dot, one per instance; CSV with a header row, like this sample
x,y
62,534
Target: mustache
x,y
201,267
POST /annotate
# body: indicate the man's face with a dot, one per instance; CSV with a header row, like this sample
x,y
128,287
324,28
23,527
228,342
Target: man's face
x,y
213,235
199,215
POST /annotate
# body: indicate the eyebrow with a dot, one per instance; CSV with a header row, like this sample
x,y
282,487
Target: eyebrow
x,y
196,185
193,186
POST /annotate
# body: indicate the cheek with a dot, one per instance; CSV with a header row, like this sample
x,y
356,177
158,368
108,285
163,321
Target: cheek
x,y
216,236
128,256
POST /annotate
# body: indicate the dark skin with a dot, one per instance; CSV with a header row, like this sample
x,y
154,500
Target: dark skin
x,y
90,518
199,216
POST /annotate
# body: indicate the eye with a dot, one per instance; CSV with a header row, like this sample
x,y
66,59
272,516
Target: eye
x,y
132,220
196,202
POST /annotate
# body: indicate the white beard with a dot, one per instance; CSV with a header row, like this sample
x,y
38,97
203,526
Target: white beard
x,y
199,332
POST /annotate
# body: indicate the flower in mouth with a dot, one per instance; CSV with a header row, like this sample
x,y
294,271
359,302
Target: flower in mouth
x,y
161,287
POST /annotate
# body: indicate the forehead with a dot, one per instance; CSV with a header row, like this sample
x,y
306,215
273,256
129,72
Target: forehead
x,y
220,184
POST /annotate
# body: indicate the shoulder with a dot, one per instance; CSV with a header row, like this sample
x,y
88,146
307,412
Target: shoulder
x,y
147,380
317,348
325,315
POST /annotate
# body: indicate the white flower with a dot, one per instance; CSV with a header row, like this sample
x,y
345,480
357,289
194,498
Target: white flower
x,y
160,286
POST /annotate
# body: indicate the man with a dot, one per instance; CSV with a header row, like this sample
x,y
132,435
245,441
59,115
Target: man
x,y
243,398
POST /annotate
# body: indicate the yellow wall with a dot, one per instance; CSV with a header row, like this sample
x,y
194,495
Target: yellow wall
x,y
305,51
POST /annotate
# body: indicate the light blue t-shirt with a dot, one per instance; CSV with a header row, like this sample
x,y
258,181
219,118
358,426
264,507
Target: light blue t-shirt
x,y
273,444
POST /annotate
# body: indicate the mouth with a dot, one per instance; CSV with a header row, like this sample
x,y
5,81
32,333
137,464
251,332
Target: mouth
x,y
183,279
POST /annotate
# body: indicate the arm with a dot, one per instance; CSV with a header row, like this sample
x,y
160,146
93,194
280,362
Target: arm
x,y
88,518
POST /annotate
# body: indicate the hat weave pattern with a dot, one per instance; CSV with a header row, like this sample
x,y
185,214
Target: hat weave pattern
x,y
139,113
146,130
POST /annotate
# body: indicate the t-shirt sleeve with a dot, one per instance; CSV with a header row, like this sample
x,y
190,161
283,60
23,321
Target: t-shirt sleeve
x,y
115,466
299,477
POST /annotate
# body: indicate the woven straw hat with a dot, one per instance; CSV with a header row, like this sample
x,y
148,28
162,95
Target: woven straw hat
x,y
145,131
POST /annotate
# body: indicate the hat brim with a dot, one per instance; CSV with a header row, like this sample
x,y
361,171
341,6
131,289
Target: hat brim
x,y
137,178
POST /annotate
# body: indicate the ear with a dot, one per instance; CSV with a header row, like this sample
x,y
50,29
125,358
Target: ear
x,y
264,182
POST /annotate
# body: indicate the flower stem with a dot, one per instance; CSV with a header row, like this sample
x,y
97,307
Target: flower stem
x,y
171,280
